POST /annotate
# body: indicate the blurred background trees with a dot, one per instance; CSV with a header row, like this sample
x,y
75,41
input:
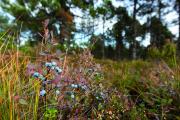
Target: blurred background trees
x,y
114,31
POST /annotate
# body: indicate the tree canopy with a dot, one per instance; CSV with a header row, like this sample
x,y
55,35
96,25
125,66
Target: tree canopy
x,y
123,27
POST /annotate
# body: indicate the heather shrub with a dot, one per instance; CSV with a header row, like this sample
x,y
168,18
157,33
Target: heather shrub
x,y
70,87
147,90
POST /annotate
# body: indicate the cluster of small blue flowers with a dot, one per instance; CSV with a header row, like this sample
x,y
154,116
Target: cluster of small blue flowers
x,y
41,77
76,86
100,96
84,87
51,66
71,88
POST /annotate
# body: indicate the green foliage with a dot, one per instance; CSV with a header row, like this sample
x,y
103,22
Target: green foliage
x,y
167,53
148,91
169,50
50,114
23,102
92,12
32,13
7,42
159,32
27,50
154,53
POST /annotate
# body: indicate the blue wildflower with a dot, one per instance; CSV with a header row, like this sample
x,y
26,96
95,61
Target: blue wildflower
x,y
58,70
53,67
72,96
46,82
42,92
48,64
41,77
58,86
97,97
84,87
36,74
57,92
102,95
74,85
54,63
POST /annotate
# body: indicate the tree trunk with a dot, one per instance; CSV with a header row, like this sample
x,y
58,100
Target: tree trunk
x,y
159,9
150,24
179,24
179,27
178,11
103,45
134,56
119,48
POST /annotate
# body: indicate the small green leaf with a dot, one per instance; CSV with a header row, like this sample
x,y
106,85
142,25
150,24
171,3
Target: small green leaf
x,y
100,106
23,102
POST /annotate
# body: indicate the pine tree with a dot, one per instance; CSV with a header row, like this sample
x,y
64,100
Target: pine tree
x,y
32,13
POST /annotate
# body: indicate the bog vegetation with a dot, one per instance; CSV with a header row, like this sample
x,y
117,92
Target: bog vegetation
x,y
47,74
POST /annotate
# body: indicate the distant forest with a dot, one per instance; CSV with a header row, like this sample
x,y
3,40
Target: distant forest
x,y
121,40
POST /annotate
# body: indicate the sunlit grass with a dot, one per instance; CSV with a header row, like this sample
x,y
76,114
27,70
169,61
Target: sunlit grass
x,y
16,85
